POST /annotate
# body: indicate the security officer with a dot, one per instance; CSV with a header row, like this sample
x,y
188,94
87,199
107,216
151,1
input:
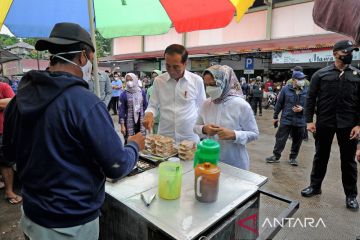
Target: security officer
x,y
335,93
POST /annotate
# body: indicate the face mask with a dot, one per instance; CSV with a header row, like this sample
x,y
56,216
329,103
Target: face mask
x,y
347,59
86,69
213,92
300,83
130,84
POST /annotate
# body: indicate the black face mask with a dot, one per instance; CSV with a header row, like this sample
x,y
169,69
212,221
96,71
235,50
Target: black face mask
x,y
347,59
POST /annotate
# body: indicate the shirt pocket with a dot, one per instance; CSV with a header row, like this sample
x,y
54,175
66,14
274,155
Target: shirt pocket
x,y
330,83
186,93
352,85
290,98
302,99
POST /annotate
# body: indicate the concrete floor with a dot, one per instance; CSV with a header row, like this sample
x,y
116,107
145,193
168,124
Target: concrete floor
x,y
283,179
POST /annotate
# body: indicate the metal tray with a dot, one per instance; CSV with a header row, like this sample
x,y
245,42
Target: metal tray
x,y
155,158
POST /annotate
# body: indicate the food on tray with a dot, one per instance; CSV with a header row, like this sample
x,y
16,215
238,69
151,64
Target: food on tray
x,y
143,164
159,145
150,143
164,146
187,150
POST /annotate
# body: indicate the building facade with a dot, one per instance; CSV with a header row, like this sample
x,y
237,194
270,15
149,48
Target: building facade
x,y
273,35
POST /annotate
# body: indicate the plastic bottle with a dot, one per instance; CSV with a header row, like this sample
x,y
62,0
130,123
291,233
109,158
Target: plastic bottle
x,y
208,150
170,179
207,177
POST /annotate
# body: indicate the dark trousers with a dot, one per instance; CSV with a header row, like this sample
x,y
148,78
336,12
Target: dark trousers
x,y
323,141
257,102
282,135
114,104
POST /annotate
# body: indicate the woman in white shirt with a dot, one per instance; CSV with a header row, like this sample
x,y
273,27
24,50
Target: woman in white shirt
x,y
226,117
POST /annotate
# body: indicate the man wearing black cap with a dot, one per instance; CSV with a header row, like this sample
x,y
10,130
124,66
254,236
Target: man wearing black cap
x,y
63,141
335,92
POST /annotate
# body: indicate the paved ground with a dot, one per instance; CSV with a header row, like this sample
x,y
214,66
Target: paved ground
x,y
283,179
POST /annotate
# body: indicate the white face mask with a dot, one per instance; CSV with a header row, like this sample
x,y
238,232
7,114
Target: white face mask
x,y
130,84
86,69
300,83
213,92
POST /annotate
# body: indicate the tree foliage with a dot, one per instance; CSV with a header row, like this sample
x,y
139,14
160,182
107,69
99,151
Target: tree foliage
x,y
103,45
6,40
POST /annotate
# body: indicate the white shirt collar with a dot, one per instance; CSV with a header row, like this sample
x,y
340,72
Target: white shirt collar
x,y
186,76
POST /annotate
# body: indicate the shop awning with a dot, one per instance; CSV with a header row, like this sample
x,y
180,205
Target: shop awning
x,y
6,56
306,42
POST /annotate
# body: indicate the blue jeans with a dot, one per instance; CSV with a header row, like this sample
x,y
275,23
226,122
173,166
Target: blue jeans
x,y
33,231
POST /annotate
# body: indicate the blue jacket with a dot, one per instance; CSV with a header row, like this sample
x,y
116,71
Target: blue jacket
x,y
63,141
287,100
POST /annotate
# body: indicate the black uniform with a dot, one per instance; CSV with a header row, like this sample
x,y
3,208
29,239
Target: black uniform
x,y
336,97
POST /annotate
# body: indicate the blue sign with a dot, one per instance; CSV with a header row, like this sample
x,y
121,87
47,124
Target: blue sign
x,y
249,63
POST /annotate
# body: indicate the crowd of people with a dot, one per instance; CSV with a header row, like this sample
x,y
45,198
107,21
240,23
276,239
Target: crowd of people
x,y
64,130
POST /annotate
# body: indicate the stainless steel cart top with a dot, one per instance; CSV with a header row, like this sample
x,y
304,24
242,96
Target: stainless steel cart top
x,y
186,218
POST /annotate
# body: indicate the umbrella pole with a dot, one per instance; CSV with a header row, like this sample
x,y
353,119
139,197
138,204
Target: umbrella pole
x,y
37,60
92,32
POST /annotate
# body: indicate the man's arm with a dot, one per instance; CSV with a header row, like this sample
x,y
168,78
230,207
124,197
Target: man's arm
x,y
4,102
105,145
358,151
108,90
311,98
7,94
279,104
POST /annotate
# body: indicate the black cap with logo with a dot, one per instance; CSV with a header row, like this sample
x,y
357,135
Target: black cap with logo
x,y
65,34
345,46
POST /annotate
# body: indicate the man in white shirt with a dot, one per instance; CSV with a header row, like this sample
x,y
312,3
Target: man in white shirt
x,y
178,95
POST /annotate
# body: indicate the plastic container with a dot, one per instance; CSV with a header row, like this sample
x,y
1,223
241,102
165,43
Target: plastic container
x,y
173,159
207,177
208,150
170,179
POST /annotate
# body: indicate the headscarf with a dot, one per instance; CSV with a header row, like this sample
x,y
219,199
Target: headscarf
x,y
136,94
158,72
226,79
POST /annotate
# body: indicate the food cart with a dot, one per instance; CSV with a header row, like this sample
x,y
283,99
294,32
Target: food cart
x,y
233,216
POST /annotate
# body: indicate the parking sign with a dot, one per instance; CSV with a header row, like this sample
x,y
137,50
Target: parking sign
x,y
249,66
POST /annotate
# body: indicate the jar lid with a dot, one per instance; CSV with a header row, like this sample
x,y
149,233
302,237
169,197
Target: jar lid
x,y
208,168
174,159
209,145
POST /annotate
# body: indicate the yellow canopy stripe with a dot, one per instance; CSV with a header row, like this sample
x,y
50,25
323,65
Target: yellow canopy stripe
x,y
4,8
241,7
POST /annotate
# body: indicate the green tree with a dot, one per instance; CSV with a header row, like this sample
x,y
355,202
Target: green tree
x,y
103,45
30,41
6,40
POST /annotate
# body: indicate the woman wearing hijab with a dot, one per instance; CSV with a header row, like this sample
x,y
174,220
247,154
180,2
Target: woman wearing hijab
x,y
132,107
226,116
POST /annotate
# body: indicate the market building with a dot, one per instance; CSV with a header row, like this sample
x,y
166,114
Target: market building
x,y
273,36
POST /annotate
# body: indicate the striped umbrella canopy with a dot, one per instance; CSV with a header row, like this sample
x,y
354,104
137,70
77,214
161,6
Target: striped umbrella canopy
x,y
119,18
